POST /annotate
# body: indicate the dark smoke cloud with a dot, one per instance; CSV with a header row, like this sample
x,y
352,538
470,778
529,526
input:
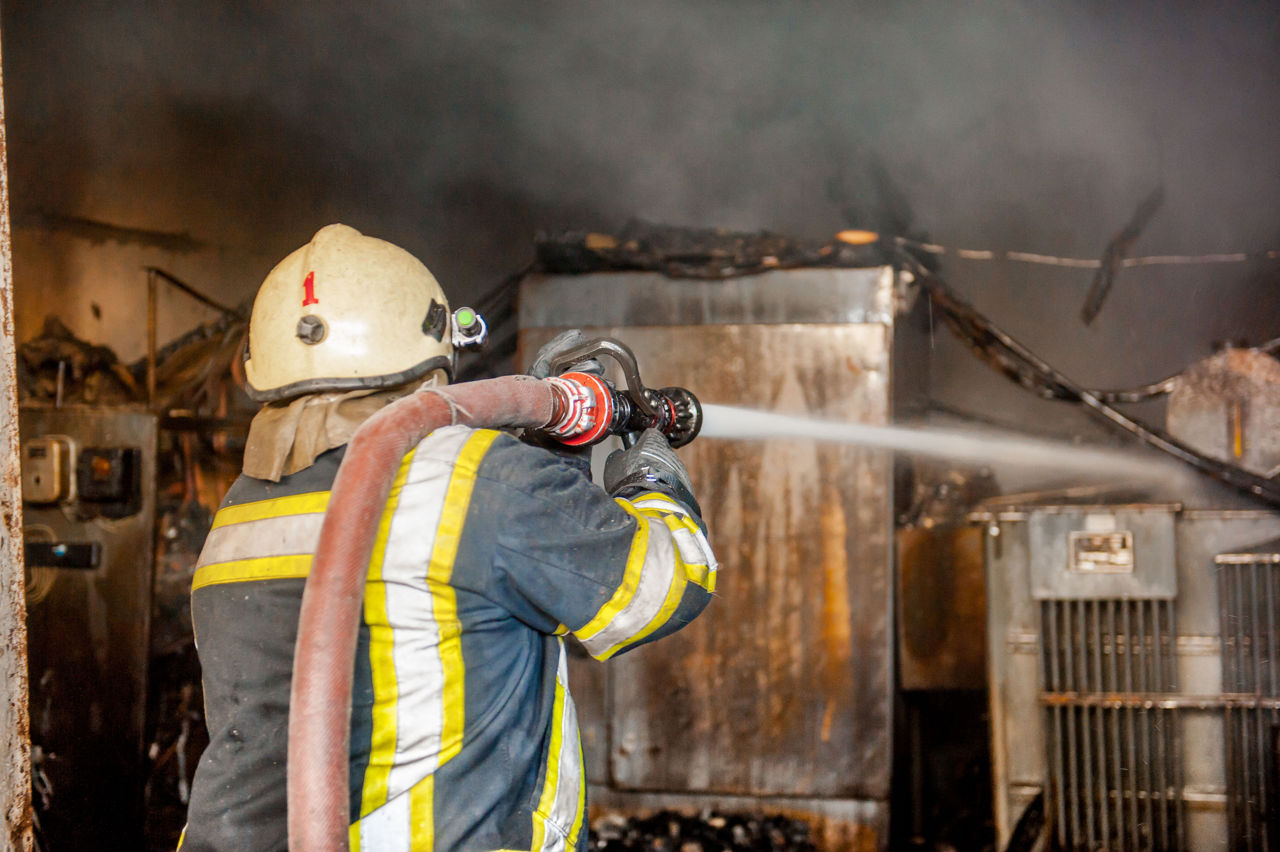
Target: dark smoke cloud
x,y
459,128
998,121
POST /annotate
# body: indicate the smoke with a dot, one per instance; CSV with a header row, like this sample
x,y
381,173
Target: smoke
x,y
1025,124
458,129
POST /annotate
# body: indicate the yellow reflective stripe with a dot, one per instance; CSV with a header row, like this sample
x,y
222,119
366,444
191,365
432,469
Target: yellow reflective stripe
x,y
444,599
245,570
677,517
552,779
679,577
382,746
683,574
181,837
700,575
582,796
422,833
296,504
630,578
697,573
353,836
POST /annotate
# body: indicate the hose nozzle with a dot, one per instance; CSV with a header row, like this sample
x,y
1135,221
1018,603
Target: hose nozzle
x,y
589,408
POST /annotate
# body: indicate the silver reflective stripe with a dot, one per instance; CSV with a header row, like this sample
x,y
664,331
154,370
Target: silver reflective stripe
x,y
656,575
410,608
287,535
691,542
662,504
564,807
387,829
693,551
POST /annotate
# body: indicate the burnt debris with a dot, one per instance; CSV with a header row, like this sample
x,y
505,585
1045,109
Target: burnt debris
x,y
58,366
704,253
669,831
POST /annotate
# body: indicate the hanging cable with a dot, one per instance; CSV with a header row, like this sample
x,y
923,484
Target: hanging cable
x,y
1017,362
1085,262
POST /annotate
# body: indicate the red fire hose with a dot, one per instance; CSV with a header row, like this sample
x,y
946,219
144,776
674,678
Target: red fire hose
x,y
328,625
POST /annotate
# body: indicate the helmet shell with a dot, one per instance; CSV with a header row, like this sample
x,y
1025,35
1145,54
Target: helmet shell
x,y
346,311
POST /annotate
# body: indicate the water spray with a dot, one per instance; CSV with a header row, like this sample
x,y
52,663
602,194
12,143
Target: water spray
x,y
989,447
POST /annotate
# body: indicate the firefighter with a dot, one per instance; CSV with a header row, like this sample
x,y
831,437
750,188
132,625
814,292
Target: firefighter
x,y
463,731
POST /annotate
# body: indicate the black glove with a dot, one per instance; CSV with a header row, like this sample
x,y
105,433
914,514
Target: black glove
x,y
649,465
577,457
563,342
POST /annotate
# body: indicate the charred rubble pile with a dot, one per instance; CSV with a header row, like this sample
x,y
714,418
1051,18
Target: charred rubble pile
x,y
707,253
57,366
669,831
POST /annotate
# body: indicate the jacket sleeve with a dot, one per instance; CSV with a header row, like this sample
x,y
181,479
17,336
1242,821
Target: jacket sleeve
x,y
564,557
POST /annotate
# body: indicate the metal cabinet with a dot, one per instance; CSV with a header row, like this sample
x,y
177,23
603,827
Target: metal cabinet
x,y
780,696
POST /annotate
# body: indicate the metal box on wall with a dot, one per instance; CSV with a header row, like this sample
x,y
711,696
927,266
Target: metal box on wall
x,y
780,696
89,560
1116,552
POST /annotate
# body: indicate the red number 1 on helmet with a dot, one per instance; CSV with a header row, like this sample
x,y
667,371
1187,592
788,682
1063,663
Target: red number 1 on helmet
x,y
309,290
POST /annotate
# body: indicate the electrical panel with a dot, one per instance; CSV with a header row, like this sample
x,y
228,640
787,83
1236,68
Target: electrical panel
x,y
107,478
47,469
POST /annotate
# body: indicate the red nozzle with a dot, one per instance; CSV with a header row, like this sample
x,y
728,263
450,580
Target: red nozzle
x,y
584,409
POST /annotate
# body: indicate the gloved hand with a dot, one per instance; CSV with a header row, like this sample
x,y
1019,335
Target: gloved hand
x,y
563,342
649,465
578,457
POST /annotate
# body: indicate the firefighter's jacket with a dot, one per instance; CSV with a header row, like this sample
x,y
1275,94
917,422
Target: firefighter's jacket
x,y
463,732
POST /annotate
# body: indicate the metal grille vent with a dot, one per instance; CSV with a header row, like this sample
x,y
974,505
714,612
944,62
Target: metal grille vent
x,y
1250,648
1114,752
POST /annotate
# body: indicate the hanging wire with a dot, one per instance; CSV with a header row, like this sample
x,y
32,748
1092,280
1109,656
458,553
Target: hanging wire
x,y
1085,262
1018,363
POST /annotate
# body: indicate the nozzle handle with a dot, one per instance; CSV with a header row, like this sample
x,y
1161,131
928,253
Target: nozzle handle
x,y
592,408
619,352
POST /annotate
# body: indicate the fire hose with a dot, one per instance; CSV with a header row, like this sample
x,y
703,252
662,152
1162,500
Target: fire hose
x,y
575,408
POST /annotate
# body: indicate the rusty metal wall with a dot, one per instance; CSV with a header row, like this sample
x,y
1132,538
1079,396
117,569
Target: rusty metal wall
x,y
781,693
1228,407
784,687
15,775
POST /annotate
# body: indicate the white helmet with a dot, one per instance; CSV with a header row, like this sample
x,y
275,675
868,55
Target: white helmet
x,y
347,311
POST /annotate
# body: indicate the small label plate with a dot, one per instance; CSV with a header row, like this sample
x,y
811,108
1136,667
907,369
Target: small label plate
x,y
1101,552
